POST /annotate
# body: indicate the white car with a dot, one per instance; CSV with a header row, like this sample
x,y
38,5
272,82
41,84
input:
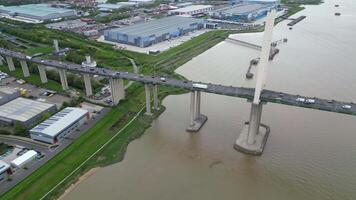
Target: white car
x,y
299,99
346,107
310,101
163,79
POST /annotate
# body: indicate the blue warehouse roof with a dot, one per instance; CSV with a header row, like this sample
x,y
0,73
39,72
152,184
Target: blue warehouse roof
x,y
35,9
157,27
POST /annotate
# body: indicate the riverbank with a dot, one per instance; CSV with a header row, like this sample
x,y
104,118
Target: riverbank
x,y
81,179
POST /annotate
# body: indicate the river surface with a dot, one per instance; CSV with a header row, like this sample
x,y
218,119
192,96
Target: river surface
x,y
309,155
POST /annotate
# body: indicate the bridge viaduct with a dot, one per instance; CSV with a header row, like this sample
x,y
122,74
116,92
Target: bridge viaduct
x,y
253,136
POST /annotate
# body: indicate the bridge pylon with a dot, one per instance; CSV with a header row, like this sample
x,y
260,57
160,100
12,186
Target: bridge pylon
x,y
254,135
197,120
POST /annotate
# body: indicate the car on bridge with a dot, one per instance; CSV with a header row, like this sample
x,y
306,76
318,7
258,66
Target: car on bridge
x,y
300,99
346,107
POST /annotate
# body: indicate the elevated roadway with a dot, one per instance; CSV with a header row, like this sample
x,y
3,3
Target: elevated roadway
x,y
241,92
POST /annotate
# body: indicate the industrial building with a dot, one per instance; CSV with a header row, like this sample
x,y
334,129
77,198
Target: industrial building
x,y
243,12
8,94
108,7
35,13
4,170
154,31
24,111
59,125
24,159
192,10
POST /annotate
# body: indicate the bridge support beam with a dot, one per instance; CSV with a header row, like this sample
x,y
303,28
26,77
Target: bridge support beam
x,y
148,99
87,83
197,120
10,63
117,90
155,98
43,75
63,77
24,66
253,137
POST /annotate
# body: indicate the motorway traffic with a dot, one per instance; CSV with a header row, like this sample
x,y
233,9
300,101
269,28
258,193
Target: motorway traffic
x,y
247,93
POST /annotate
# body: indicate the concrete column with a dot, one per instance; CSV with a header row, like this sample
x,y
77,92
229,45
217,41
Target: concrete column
x,y
87,83
254,124
10,63
25,71
1,60
155,97
148,99
43,75
63,77
197,104
56,46
117,90
192,108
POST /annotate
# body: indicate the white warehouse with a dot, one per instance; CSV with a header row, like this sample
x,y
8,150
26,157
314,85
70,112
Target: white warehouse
x,y
59,125
4,170
24,159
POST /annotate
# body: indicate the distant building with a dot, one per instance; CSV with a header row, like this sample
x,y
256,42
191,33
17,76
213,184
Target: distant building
x,y
24,111
4,170
243,12
142,1
192,10
154,31
8,94
91,33
36,13
109,7
24,159
59,125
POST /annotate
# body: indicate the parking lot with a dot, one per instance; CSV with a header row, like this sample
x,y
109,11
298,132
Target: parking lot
x,y
34,92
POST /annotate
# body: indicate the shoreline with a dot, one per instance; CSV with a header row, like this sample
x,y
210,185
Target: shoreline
x,y
80,179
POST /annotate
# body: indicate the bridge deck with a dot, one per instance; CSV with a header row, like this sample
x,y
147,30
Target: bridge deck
x,y
241,92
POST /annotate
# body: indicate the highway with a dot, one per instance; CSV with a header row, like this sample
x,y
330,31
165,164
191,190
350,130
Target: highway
x,y
241,92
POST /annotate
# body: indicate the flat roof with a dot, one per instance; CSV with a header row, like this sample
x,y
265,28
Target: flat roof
x,y
244,8
60,121
4,91
22,109
192,8
35,9
24,158
157,27
110,6
3,166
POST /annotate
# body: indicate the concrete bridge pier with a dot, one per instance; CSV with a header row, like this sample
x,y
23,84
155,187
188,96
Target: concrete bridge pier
x,y
10,63
253,137
63,77
197,120
87,83
43,75
117,90
1,60
24,66
155,98
148,99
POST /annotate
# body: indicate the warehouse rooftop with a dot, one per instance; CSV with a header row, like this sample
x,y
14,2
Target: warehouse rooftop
x,y
60,121
192,8
244,8
158,26
34,9
22,109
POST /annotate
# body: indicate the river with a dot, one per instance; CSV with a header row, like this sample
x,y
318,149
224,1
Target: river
x,y
309,155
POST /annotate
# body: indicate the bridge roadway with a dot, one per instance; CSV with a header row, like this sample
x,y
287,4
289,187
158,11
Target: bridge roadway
x,y
241,92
